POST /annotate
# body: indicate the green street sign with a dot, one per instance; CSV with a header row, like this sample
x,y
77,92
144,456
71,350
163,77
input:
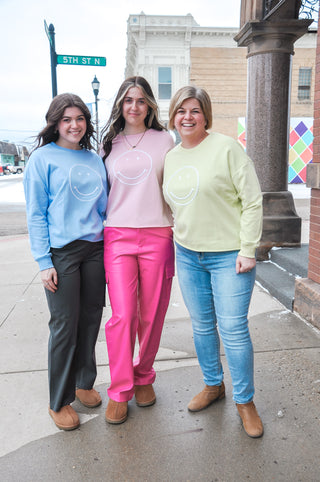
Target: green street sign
x,y
81,60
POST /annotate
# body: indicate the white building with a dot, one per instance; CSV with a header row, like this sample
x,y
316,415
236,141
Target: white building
x,y
159,49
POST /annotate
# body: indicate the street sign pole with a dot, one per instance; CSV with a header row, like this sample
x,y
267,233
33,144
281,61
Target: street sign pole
x,y
67,59
53,56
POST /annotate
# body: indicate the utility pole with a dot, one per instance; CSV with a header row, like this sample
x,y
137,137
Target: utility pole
x,y
95,87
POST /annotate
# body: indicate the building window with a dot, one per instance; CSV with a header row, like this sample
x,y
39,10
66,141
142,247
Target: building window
x,y
164,82
304,86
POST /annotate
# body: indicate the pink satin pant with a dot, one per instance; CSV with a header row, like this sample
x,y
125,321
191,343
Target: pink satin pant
x,y
139,265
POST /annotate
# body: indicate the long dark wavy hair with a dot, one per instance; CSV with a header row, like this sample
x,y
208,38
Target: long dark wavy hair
x,y
116,122
55,113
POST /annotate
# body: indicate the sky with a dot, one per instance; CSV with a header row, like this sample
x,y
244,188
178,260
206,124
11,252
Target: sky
x,y
88,28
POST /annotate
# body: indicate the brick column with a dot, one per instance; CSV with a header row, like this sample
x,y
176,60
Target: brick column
x,y
307,290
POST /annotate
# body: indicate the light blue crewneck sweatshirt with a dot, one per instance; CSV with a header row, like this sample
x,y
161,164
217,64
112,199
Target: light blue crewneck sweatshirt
x,y
66,198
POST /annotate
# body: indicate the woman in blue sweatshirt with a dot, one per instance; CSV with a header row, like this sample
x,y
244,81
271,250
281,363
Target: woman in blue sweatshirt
x,y
66,198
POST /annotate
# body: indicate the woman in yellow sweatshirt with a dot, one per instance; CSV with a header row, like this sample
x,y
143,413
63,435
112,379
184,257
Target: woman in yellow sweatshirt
x,y
213,191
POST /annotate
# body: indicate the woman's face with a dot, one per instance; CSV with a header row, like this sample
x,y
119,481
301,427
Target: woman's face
x,y
189,120
134,110
71,127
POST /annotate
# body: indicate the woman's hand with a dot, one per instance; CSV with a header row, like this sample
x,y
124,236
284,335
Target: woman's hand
x,y
243,265
49,278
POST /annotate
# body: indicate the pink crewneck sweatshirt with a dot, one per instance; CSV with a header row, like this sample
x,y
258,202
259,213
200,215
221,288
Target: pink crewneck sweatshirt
x,y
135,178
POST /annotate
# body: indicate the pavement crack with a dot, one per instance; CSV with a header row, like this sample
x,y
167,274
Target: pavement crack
x,y
12,309
183,432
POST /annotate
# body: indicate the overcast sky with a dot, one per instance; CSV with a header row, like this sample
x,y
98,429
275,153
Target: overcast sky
x,y
82,27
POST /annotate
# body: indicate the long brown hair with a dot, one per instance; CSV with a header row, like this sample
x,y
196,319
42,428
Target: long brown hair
x,y
55,113
116,122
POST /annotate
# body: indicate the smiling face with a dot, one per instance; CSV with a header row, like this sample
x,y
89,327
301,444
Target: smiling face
x,y
134,169
71,127
183,186
134,111
85,183
190,122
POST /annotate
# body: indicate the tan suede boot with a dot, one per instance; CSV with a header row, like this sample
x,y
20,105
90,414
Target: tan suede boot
x,y
88,398
145,395
208,395
117,412
251,421
66,418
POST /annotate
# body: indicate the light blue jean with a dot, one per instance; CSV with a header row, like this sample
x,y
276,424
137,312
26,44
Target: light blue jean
x,y
215,294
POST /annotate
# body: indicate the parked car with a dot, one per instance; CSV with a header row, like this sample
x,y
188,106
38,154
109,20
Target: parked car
x,y
8,168
17,169
1,171
11,169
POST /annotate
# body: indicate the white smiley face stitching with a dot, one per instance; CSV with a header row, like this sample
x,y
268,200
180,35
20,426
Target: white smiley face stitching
x,y
132,169
183,186
85,182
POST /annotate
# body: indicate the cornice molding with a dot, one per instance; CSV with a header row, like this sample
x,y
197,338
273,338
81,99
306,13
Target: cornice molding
x,y
264,36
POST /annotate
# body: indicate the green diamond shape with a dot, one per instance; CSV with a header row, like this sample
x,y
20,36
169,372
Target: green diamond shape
x,y
298,164
299,146
240,128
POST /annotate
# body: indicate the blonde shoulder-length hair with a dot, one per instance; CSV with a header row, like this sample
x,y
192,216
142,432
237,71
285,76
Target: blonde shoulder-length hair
x,y
190,92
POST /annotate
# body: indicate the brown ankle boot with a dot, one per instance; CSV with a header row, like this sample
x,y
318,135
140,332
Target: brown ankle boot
x,y
117,412
88,398
251,421
145,395
208,395
66,418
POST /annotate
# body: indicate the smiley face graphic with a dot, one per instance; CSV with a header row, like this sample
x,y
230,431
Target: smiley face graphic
x,y
132,168
183,186
85,182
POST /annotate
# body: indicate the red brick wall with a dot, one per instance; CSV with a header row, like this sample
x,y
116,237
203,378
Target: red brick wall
x,y
314,242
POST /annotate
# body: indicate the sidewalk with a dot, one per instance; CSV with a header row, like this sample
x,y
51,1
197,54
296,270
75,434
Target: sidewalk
x,y
164,442
285,265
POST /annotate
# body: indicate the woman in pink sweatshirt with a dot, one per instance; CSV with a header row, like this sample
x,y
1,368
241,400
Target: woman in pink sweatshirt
x,y
138,249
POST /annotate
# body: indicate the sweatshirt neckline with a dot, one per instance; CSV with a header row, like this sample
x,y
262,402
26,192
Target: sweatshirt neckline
x,y
189,149
66,148
132,135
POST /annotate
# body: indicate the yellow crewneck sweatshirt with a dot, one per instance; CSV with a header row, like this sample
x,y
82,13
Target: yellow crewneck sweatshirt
x,y
215,196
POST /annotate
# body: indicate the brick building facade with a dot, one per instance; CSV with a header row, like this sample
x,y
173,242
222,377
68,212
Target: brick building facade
x,y
307,291
182,52
222,71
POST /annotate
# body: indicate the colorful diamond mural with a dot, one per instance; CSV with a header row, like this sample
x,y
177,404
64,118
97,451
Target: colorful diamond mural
x,y
300,146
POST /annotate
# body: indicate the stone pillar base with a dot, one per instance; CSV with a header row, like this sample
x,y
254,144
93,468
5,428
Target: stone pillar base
x,y
281,223
307,300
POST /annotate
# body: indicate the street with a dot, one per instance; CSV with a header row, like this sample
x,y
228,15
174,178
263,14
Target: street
x,y
11,190
12,205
